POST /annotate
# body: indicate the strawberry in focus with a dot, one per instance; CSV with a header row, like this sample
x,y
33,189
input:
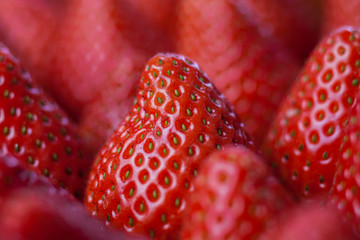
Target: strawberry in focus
x,y
235,197
36,131
254,73
142,176
303,142
345,192
32,213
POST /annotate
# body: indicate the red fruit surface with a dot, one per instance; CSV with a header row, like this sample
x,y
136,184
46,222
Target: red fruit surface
x,y
141,178
345,192
311,222
235,197
28,214
338,13
101,50
251,71
26,27
36,131
303,142
13,175
296,23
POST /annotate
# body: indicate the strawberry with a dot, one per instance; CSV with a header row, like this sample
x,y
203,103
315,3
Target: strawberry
x,y
345,192
235,197
339,13
27,214
246,67
141,178
311,222
304,139
296,23
36,131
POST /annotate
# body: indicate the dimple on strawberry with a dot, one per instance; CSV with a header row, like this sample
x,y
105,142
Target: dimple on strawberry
x,y
141,178
252,72
304,140
36,131
345,191
235,196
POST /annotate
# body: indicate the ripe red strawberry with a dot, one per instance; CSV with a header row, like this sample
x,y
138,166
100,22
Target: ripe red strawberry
x,y
296,23
303,142
249,69
28,214
235,197
142,176
311,222
339,13
345,192
36,131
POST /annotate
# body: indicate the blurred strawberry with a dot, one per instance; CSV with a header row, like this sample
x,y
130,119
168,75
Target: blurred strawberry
x,y
102,48
235,197
311,222
339,13
296,23
304,140
90,55
27,27
345,192
252,72
28,214
36,131
14,175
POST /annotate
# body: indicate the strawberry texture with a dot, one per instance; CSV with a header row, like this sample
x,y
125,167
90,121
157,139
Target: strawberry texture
x,y
142,176
35,130
235,197
304,141
344,193
253,72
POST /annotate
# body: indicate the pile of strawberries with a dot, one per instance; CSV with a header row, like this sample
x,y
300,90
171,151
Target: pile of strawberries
x,y
179,119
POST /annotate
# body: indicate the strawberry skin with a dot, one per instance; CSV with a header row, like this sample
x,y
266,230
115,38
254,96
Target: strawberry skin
x,y
345,192
338,13
247,68
311,222
142,176
13,175
27,214
235,197
36,131
296,23
303,142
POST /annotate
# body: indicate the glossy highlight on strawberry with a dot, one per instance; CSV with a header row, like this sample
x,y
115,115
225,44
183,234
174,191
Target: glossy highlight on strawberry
x,y
143,175
304,140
